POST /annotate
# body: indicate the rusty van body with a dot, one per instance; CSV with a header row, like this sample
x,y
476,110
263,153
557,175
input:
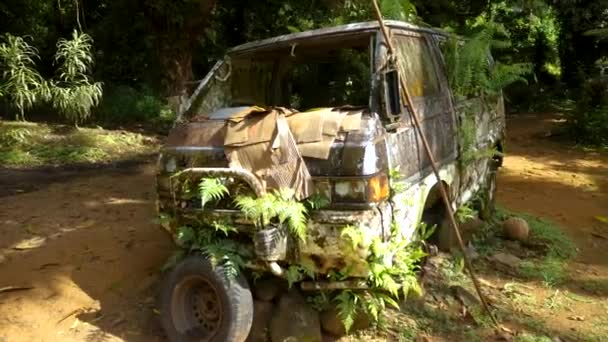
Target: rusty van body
x,y
343,69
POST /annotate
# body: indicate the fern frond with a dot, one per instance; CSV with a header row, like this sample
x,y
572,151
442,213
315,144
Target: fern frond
x,y
223,226
348,303
211,189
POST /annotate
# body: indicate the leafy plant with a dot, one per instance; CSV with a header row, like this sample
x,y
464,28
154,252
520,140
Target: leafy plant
x,y
465,213
349,303
279,207
211,189
398,10
21,83
392,265
470,69
219,249
296,273
317,201
74,94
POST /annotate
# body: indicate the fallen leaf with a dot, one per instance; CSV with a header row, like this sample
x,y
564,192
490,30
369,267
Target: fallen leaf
x,y
75,312
602,219
75,324
15,288
599,236
32,243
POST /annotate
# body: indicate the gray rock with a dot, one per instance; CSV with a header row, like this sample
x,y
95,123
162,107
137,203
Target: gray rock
x,y
295,320
505,259
463,295
262,314
331,322
268,289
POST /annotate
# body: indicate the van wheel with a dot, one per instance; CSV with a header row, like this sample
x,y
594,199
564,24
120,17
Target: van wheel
x,y
443,237
199,303
488,202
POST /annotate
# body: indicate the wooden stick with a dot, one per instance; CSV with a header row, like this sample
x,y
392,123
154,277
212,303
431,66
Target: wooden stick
x,y
442,190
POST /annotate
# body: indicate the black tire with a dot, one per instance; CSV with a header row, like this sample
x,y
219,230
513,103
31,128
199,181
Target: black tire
x,y
198,303
443,237
488,203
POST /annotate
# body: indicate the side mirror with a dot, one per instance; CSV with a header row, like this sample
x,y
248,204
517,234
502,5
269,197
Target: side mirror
x,y
393,93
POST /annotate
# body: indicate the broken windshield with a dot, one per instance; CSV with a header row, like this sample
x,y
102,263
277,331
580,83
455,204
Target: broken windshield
x,y
327,72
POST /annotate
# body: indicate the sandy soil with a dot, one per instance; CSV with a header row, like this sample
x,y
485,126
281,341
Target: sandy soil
x,y
94,276
91,253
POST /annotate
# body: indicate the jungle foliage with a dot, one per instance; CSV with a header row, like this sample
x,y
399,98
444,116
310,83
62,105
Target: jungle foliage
x,y
158,48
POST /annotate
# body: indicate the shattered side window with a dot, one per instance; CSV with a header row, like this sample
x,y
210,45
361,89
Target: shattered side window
x,y
416,64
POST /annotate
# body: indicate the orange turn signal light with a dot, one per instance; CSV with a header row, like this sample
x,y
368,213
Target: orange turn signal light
x,y
378,188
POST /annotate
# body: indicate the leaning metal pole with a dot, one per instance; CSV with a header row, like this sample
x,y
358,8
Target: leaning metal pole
x,y
444,195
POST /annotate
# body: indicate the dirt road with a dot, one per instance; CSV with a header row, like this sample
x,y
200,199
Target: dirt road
x,y
95,273
91,253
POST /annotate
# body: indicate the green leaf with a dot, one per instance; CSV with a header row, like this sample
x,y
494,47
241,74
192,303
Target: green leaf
x,y
603,219
185,236
211,189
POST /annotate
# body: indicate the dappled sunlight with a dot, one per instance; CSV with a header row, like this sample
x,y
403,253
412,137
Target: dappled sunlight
x,y
531,169
77,245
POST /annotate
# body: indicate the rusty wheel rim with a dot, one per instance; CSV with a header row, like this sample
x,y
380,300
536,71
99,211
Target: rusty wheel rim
x,y
196,308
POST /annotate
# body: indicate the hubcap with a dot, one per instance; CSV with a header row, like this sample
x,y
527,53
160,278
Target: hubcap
x,y
196,308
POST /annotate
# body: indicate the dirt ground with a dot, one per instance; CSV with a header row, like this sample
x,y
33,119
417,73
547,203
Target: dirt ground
x,y
89,253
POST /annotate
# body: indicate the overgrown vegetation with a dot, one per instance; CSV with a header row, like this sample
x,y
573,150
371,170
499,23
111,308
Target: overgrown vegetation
x,y
30,144
21,83
148,51
279,208
471,71
546,253
72,93
392,275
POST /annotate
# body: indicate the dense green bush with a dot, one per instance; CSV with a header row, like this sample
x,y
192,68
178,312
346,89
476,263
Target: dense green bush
x,y
127,105
589,122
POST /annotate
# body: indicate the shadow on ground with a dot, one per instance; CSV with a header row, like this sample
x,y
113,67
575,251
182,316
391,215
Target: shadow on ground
x,y
95,274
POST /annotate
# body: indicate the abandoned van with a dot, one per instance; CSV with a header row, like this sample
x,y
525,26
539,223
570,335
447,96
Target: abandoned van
x,y
295,157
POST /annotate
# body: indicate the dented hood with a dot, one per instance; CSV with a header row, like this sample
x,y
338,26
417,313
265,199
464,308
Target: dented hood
x,y
333,142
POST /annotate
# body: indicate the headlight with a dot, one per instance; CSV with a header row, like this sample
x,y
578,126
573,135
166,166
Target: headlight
x,y
373,189
170,165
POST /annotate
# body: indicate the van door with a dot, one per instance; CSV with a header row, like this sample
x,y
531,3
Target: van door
x,y
430,94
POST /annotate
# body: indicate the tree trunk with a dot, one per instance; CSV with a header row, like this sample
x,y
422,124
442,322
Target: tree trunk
x,y
176,67
178,26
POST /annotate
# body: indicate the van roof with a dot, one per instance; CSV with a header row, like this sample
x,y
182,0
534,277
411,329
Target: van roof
x,y
348,29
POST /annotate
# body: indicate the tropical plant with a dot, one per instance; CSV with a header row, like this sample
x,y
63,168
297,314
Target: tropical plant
x,y
212,242
471,70
279,207
20,82
391,273
211,189
73,93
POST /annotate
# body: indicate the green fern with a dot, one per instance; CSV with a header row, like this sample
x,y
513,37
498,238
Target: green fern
x,y
348,304
471,72
224,227
211,189
317,201
279,207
